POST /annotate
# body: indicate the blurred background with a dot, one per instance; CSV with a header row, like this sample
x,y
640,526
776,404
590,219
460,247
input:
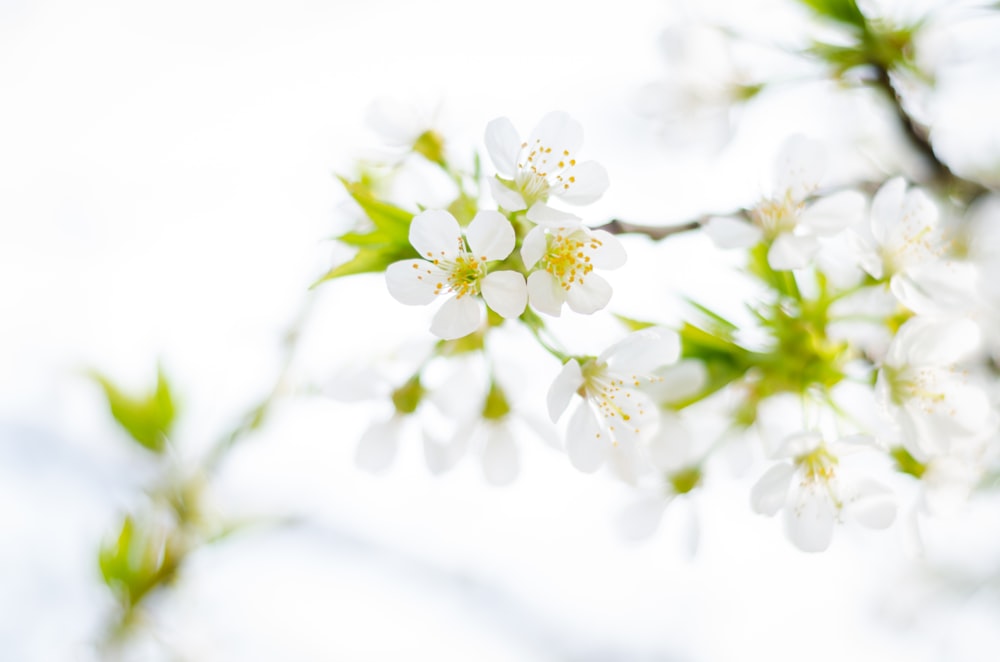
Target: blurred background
x,y
167,196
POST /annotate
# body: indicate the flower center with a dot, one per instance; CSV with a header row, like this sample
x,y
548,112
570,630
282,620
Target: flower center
x,y
464,275
539,170
775,217
914,248
567,257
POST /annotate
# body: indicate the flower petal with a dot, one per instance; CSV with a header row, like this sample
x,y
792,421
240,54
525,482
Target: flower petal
x,y
542,214
588,295
559,132
643,351
534,246
436,235
503,145
610,254
670,448
810,517
872,505
834,213
798,168
887,208
490,235
770,492
377,447
505,292
500,456
933,341
458,317
506,198
569,379
413,282
792,252
583,183
640,519
586,448
729,232
545,293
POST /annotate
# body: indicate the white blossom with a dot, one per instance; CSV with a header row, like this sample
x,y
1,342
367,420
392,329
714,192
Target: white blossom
x,y
614,412
814,494
562,257
544,165
787,218
450,267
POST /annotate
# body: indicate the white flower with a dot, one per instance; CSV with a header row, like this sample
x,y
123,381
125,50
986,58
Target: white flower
x,y
701,86
923,391
452,268
675,456
903,244
563,257
613,411
814,494
544,165
784,218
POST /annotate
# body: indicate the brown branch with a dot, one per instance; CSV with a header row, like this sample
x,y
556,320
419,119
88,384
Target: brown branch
x,y
654,232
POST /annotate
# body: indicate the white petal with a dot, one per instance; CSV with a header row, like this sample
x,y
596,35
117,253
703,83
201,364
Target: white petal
x,y
542,214
799,443
377,447
640,519
589,295
872,506
458,317
586,447
680,381
505,292
810,517
937,286
558,131
569,379
670,448
490,235
545,293
834,212
443,457
887,206
728,232
413,282
590,183
505,197
611,253
643,351
436,235
792,252
799,167
933,341
534,246
771,490
500,457
503,145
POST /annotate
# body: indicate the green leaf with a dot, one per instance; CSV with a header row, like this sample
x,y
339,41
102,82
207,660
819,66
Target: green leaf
x,y
392,221
149,418
369,260
633,324
842,11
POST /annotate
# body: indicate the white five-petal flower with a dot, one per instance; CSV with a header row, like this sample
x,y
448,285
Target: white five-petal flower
x,y
544,165
563,255
919,385
814,494
450,267
614,410
785,218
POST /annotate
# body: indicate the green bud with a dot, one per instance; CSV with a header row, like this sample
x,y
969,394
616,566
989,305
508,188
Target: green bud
x,y
430,145
496,406
685,480
906,463
407,397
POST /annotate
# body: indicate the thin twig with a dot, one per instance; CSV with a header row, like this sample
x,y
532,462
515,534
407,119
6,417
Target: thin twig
x,y
654,232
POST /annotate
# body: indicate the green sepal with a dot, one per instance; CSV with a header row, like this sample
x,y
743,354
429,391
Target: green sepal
x,y
842,11
148,419
633,324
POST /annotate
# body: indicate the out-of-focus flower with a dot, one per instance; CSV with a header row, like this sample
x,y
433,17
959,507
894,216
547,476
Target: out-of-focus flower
x,y
814,494
614,411
543,166
902,244
451,268
918,383
786,218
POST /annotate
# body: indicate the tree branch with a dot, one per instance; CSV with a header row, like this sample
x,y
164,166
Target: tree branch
x,y
654,232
